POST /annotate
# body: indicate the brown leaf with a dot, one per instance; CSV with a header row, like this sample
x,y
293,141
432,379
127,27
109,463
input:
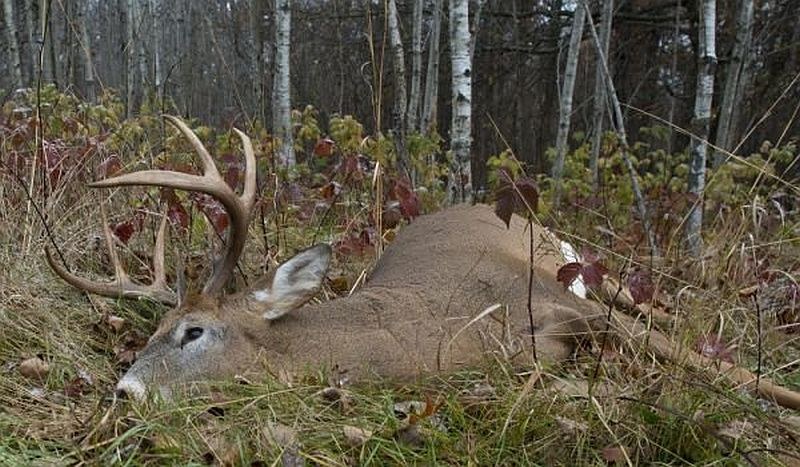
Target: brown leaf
x,y
115,322
34,368
355,436
614,454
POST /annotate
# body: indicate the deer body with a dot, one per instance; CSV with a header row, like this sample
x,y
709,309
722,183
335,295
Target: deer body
x,y
411,317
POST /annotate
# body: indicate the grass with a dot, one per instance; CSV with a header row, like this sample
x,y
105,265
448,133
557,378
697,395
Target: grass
x,y
638,411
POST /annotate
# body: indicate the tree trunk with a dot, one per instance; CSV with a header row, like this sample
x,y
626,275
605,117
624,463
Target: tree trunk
x,y
130,48
86,47
155,41
429,106
599,98
475,27
565,110
733,74
461,127
707,61
412,118
31,51
282,103
399,74
13,45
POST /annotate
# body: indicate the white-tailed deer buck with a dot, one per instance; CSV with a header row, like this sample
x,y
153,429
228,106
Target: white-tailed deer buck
x,y
451,291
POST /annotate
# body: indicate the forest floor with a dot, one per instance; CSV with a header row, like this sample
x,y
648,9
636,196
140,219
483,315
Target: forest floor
x,y
61,353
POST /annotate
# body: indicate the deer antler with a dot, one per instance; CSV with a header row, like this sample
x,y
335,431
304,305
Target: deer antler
x,y
123,286
239,209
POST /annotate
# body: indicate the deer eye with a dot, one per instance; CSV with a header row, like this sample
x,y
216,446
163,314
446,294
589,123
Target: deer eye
x,y
191,334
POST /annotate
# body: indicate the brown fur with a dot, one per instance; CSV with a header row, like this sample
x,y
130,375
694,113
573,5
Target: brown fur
x,y
441,271
410,319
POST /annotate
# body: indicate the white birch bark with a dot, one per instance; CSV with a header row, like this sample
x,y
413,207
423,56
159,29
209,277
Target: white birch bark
x,y
461,126
733,74
600,100
399,75
567,89
707,61
429,105
13,45
412,117
282,107
155,43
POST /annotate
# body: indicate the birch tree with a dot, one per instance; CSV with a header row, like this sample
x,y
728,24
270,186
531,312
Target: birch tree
x,y
600,99
429,104
399,74
13,45
734,70
282,104
460,188
707,61
412,118
567,89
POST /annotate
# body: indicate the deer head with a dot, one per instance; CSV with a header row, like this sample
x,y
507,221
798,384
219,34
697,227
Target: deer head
x,y
208,335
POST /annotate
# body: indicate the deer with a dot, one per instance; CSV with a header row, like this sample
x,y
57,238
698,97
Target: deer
x,y
454,290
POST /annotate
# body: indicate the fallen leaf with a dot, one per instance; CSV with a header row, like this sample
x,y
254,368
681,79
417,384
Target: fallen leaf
x,y
34,368
355,436
116,323
614,454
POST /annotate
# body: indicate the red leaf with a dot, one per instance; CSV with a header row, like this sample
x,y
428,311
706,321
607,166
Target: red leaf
x,y
109,167
641,286
213,210
331,190
514,196
593,273
527,194
324,147
568,273
504,201
124,230
409,202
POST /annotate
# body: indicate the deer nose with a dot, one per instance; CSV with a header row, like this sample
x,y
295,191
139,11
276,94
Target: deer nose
x,y
130,388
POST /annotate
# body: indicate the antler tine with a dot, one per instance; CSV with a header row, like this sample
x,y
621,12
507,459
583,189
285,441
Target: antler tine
x,y
209,168
249,193
122,286
159,272
238,207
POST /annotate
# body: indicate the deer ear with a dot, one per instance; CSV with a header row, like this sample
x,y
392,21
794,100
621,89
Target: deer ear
x,y
295,282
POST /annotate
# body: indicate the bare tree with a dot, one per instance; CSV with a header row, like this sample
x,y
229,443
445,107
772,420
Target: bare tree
x,y
414,97
131,57
461,127
432,72
282,103
707,62
13,45
600,99
399,74
86,48
567,90
734,70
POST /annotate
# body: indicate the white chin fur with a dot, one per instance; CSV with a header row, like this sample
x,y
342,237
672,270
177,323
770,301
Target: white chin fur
x,y
133,387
